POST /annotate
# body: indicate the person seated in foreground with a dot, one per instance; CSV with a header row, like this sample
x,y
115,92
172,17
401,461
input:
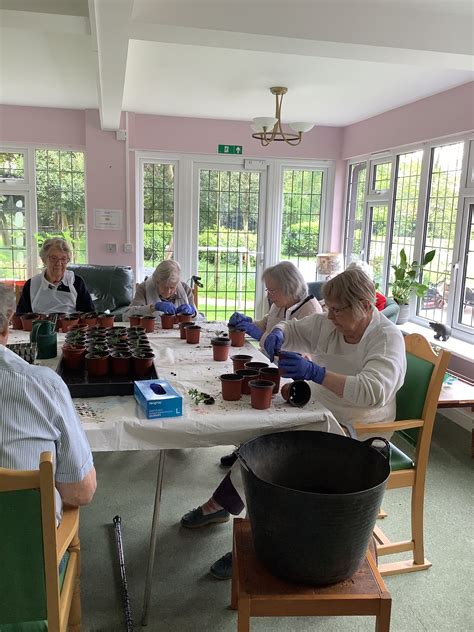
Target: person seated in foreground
x,y
56,290
37,415
288,293
380,299
357,366
163,292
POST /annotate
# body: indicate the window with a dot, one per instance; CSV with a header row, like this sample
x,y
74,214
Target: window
x,y
417,209
12,166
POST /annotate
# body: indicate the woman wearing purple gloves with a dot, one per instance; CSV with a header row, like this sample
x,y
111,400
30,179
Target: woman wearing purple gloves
x,y
163,292
357,366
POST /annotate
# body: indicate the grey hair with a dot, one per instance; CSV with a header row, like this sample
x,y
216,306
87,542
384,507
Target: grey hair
x,y
362,265
289,279
54,242
168,271
7,304
350,288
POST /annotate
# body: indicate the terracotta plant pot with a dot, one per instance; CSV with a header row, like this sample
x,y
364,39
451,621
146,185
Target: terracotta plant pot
x,y
185,318
220,348
16,321
193,333
106,320
237,337
120,362
182,329
59,320
27,321
273,374
97,363
89,319
136,331
73,356
247,374
148,323
167,321
297,393
240,360
231,385
256,366
261,392
142,363
134,320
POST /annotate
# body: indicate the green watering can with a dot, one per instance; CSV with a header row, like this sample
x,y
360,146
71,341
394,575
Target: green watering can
x,y
46,339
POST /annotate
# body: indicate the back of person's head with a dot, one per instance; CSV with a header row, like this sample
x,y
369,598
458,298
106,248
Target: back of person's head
x,y
168,271
362,265
7,305
349,288
289,279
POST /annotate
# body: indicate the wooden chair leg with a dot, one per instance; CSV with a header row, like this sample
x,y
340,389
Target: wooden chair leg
x,y
75,613
417,508
383,618
243,615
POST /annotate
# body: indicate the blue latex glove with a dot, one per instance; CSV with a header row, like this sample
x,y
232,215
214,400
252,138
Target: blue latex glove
x,y
187,309
166,307
250,329
273,343
237,318
295,366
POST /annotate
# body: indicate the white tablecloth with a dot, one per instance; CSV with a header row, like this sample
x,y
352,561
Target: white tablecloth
x,y
118,423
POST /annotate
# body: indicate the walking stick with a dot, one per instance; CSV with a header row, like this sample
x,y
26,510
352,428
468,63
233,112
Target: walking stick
x,y
123,575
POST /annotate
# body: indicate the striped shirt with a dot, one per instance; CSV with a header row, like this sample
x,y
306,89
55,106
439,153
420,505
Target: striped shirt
x,y
37,415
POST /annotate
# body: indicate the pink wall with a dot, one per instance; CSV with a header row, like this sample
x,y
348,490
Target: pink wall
x,y
447,113
51,126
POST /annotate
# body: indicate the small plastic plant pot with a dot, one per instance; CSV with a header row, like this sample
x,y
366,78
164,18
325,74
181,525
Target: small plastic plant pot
x,y
97,363
256,366
106,320
184,318
247,374
73,356
167,321
16,321
90,319
261,392
220,348
182,327
240,361
120,362
136,330
27,321
297,393
142,363
193,333
273,374
148,322
237,337
134,321
231,385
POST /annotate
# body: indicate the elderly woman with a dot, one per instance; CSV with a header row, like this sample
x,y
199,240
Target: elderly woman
x,y
357,366
288,293
380,299
56,289
163,292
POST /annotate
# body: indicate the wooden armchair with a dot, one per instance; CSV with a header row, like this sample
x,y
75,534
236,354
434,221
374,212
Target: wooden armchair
x,y
417,402
35,594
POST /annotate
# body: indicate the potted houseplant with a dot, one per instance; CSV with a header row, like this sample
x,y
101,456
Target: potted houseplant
x,y
407,282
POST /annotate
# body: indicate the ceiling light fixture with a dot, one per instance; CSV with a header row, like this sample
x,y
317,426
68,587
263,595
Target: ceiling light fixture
x,y
267,129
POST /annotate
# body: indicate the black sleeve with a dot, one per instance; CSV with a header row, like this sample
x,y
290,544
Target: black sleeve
x,y
84,301
24,304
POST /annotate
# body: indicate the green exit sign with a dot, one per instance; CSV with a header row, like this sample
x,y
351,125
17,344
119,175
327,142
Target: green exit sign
x,y
229,149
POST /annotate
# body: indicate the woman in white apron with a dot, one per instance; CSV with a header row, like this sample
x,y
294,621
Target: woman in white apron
x,y
56,289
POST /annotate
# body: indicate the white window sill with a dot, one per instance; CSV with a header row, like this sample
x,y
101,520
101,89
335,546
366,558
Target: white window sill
x,y
459,348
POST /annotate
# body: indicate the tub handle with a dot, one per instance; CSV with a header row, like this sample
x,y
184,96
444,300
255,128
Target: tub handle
x,y
243,462
380,444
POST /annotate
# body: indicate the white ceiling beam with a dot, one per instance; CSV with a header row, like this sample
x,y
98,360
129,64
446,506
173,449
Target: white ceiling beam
x,y
296,46
110,24
44,22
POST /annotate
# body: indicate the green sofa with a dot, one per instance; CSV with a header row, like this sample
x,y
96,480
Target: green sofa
x,y
111,287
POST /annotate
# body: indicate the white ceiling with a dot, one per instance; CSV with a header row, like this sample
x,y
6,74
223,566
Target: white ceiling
x,y
342,60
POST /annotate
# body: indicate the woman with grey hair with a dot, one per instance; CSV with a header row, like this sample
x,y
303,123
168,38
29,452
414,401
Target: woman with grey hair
x,y
163,292
288,292
56,289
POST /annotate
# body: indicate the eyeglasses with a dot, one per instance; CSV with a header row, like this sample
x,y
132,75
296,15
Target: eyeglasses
x,y
336,310
55,259
268,291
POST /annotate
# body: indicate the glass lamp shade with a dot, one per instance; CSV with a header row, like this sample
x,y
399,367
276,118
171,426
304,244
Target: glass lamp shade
x,y
264,121
301,127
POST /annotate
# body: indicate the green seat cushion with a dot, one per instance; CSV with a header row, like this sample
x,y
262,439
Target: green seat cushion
x,y
399,460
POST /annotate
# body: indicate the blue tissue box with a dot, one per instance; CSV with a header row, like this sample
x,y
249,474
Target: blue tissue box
x,y
158,399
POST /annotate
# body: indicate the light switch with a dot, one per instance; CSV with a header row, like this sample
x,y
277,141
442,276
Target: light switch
x,y
111,248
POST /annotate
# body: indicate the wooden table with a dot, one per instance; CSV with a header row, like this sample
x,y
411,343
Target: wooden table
x,y
460,394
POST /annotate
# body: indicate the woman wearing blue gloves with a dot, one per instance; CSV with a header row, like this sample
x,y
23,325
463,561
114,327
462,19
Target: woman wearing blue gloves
x,y
163,292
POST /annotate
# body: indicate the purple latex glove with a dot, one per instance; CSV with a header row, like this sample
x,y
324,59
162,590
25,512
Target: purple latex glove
x,y
295,366
250,329
237,318
187,309
273,343
166,307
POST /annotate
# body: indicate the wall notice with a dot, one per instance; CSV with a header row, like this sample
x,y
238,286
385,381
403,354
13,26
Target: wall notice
x,y
106,219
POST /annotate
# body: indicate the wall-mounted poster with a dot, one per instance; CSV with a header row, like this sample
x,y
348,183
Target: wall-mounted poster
x,y
106,219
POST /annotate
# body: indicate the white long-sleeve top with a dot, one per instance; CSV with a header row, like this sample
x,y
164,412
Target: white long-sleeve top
x,y
375,366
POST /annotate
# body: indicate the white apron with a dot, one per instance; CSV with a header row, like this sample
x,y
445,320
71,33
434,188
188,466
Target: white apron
x,y
47,299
